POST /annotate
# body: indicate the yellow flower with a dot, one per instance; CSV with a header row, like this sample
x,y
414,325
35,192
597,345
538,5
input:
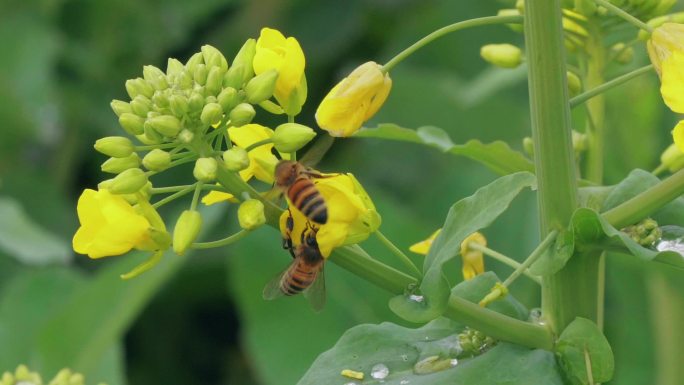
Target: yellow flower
x,y
672,87
354,100
274,51
665,40
109,225
473,260
261,160
351,214
678,135
423,247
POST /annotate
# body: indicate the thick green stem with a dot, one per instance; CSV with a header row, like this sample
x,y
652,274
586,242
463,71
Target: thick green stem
x,y
446,30
646,203
554,155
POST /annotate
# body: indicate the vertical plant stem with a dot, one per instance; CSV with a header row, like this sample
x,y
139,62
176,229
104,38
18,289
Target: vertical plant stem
x,y
554,155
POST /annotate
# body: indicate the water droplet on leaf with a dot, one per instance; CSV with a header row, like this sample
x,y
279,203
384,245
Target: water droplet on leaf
x,y
416,298
672,239
379,371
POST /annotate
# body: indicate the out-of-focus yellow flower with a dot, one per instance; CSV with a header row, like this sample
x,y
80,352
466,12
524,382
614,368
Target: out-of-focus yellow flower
x,y
665,40
22,375
473,260
274,51
351,214
672,87
261,160
354,100
678,135
423,247
109,225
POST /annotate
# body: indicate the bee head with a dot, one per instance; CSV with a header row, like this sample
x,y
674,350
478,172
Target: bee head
x,y
286,173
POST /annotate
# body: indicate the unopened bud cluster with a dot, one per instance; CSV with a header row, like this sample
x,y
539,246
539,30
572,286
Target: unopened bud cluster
x,y
474,342
646,233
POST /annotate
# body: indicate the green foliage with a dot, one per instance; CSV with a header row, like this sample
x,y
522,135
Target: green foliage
x,y
25,240
582,346
555,257
464,218
497,156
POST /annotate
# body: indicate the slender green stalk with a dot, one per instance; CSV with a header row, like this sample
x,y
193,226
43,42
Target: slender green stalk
x,y
171,189
155,146
595,125
583,97
554,154
257,144
624,15
174,196
532,258
221,242
646,203
398,253
195,196
659,170
503,259
446,30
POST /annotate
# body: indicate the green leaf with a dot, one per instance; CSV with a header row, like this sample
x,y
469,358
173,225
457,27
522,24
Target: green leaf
x,y
592,231
29,243
497,156
400,348
555,257
580,344
464,218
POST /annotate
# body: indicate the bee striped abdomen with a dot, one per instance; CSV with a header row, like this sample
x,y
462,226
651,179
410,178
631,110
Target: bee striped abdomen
x,y
298,278
305,196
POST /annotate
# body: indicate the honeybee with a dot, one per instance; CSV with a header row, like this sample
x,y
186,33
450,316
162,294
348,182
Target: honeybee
x,y
305,273
294,179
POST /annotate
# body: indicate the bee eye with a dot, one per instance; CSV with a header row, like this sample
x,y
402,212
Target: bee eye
x,y
311,241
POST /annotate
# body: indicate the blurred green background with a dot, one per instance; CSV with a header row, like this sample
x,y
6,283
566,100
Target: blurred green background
x,y
200,319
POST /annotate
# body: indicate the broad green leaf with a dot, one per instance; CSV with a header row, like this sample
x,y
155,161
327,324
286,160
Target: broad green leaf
x,y
400,348
582,345
464,218
592,231
96,317
23,239
592,197
555,257
497,156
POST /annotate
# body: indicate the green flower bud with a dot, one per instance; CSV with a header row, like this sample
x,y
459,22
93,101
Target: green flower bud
x,y
215,80
242,114
579,141
290,137
235,76
157,160
131,123
186,231
178,105
209,99
672,158
623,53
105,184
520,6
139,86
271,107
120,107
155,77
244,59
152,135
114,146
212,114
528,146
128,182
194,61
574,84
174,67
235,159
214,58
228,98
205,169
166,125
141,106
502,55
200,74
186,136
184,80
160,99
196,102
261,87
144,139
251,214
117,165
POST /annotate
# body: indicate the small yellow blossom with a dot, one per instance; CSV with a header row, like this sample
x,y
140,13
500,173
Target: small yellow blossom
x,y
473,260
672,87
274,51
261,160
354,100
109,225
351,214
423,247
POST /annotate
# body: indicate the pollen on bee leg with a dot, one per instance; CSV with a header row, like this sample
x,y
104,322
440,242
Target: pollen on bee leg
x,y
352,374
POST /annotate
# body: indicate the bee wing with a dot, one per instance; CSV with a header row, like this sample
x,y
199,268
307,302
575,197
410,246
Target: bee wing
x,y
272,289
316,292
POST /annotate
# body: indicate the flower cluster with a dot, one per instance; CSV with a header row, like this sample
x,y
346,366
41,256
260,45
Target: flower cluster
x,y
203,112
23,376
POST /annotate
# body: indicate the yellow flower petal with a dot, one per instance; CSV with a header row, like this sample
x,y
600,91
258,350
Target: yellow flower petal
x,y
109,225
473,260
216,197
262,160
672,87
423,247
354,100
678,135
